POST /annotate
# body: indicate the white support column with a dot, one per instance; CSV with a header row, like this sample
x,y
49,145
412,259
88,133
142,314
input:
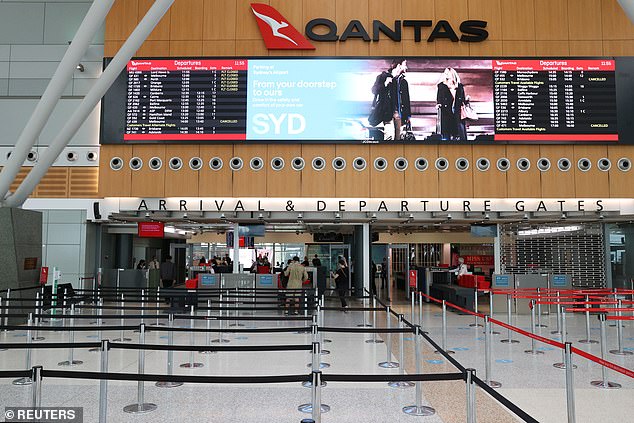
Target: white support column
x,y
236,247
110,74
78,46
628,7
497,251
367,259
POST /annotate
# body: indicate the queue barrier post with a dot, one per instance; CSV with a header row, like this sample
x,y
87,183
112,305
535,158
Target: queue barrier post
x,y
418,409
365,323
387,364
36,388
36,321
71,339
221,339
562,312
587,340
475,324
401,358
315,384
323,319
170,358
103,383
122,337
26,380
208,334
420,309
604,383
3,330
99,322
488,362
374,339
570,393
533,349
494,332
413,307
320,336
141,406
509,321
315,334
539,310
64,305
444,330
558,331
158,304
7,302
471,393
191,364
619,333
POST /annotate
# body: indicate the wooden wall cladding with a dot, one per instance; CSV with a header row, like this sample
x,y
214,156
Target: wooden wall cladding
x,y
411,183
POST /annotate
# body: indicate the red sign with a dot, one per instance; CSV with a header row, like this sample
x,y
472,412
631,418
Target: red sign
x,y
413,278
277,32
43,275
479,260
554,65
151,229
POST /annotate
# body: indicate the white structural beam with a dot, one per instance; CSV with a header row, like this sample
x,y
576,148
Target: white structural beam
x,y
109,75
628,7
77,48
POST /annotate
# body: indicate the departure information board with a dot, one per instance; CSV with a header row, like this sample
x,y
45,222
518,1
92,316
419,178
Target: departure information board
x,y
186,100
550,100
449,100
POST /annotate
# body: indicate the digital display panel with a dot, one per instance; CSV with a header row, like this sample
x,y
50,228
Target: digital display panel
x,y
368,100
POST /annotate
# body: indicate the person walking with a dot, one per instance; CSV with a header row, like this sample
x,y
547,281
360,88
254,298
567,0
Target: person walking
x,y
297,274
342,280
168,272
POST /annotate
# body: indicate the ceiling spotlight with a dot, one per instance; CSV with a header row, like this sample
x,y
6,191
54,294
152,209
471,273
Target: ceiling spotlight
x,y
525,216
564,216
260,216
373,215
147,214
449,217
80,67
337,216
184,215
222,217
601,216
487,217
411,216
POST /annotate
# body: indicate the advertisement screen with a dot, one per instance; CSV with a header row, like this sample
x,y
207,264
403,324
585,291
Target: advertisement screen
x,y
368,100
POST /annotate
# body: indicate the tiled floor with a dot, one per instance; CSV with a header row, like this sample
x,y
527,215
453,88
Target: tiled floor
x,y
530,381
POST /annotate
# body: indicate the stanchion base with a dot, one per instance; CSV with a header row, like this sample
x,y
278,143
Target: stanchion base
x,y
541,326
621,352
605,385
475,325
533,352
389,364
495,333
325,352
121,340
94,350
364,325
233,325
493,384
510,341
309,384
70,363
447,351
219,341
191,365
308,408
563,366
37,338
588,341
3,349
414,410
207,352
374,341
159,324
23,381
168,384
326,341
555,332
321,365
402,385
140,408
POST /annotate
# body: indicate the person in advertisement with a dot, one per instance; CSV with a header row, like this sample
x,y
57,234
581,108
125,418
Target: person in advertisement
x,y
391,102
449,101
401,107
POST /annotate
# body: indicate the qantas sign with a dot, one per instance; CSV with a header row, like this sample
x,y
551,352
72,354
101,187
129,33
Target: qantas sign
x,y
279,34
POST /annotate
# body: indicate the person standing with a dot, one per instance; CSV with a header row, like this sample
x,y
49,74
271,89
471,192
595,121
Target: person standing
x,y
342,281
316,261
383,273
168,272
153,264
297,274
373,278
450,99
